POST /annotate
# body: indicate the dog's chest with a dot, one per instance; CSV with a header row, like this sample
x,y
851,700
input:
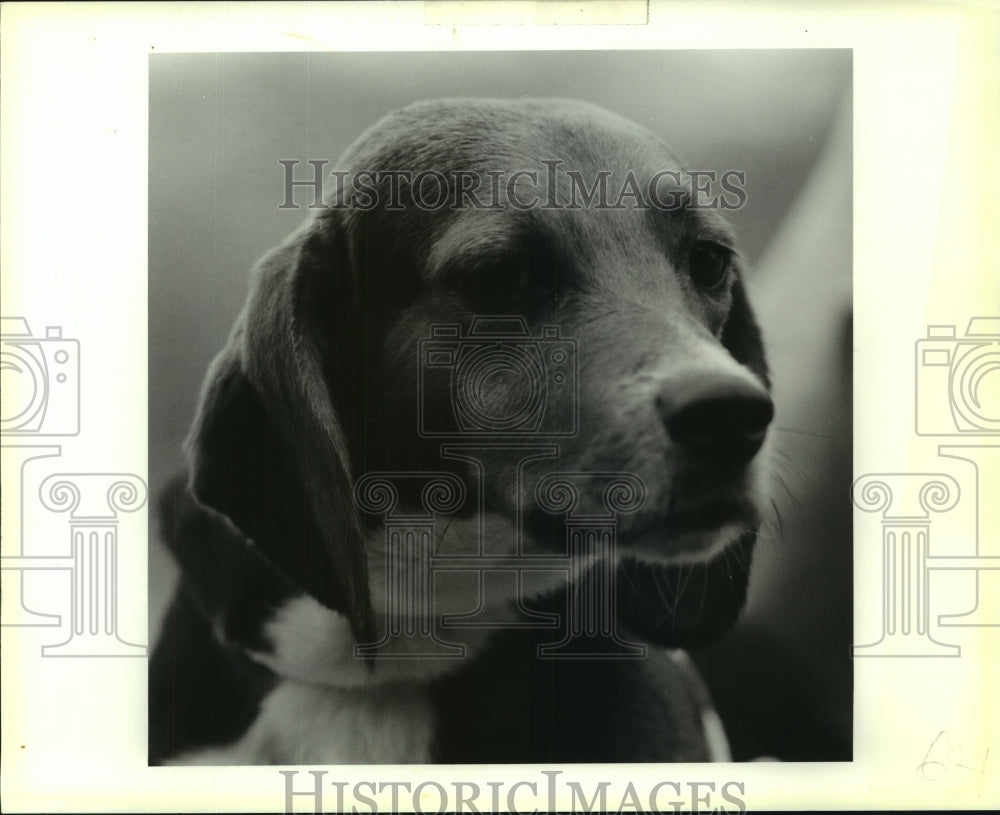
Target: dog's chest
x,y
300,723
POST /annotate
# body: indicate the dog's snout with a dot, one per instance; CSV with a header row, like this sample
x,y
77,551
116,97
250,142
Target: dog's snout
x,y
722,419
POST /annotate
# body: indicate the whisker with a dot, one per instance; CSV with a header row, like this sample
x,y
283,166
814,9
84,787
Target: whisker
x,y
802,432
661,590
793,499
682,583
447,526
704,593
780,521
786,461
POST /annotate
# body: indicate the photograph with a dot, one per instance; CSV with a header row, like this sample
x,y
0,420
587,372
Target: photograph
x,y
480,428
499,407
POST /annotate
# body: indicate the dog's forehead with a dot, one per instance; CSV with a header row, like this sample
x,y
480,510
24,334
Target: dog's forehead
x,y
559,170
457,135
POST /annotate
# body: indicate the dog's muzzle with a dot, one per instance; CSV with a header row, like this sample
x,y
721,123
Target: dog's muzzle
x,y
717,419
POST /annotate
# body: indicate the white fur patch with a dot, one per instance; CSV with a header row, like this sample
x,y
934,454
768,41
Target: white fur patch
x,y
715,736
306,724
715,732
313,644
333,707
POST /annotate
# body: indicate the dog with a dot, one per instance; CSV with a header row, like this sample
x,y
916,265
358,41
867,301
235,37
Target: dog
x,y
554,236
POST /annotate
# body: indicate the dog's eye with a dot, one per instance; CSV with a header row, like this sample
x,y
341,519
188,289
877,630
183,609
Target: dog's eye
x,y
498,284
708,265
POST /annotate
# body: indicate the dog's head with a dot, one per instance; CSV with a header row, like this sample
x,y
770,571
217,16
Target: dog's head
x,y
508,274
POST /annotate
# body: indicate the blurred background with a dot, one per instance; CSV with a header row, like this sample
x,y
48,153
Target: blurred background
x,y
220,123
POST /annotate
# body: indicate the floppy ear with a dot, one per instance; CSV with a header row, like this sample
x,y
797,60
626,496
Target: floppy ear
x,y
267,448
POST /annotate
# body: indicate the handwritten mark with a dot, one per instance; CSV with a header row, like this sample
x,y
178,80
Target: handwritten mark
x,y
943,756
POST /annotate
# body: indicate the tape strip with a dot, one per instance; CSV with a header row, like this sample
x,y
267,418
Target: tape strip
x,y
530,12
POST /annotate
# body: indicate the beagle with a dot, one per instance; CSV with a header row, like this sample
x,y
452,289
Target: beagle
x,y
480,456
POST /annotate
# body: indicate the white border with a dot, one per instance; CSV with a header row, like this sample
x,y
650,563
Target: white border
x,y
74,116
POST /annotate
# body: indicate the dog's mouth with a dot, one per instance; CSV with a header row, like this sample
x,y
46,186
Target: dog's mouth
x,y
681,604
726,511
680,532
689,533
695,516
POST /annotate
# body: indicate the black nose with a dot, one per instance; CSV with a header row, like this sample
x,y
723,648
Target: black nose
x,y
719,418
